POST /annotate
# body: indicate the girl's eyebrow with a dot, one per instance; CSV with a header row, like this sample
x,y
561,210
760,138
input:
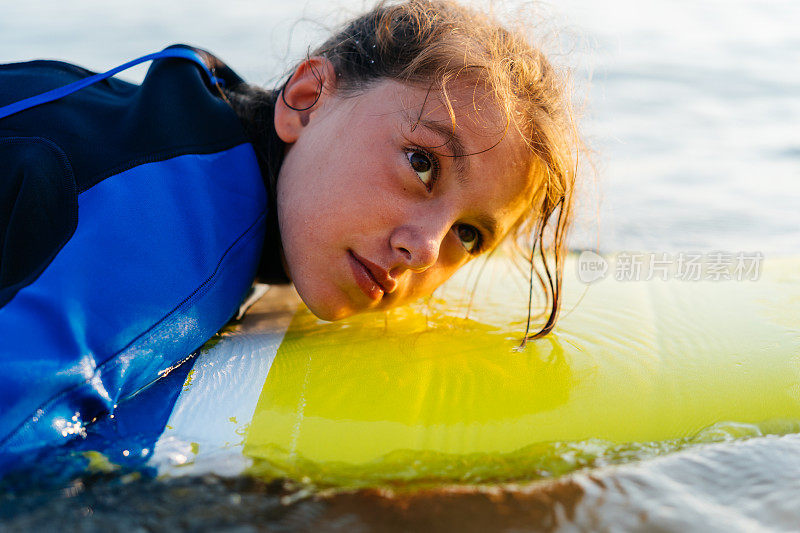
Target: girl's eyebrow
x,y
452,141
490,223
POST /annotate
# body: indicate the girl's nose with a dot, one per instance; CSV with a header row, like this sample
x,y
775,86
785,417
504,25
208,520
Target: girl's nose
x,y
416,248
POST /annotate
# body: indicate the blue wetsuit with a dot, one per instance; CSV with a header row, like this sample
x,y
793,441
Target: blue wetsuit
x,y
132,220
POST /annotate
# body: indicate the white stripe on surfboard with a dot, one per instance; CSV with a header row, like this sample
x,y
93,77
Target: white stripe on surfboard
x,y
205,432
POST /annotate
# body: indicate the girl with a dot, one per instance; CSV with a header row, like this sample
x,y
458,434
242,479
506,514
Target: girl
x,y
135,217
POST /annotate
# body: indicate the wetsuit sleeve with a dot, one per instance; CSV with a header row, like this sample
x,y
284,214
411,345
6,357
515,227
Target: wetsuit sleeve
x,y
38,209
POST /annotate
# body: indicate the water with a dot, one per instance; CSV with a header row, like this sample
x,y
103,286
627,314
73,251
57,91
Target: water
x,y
693,110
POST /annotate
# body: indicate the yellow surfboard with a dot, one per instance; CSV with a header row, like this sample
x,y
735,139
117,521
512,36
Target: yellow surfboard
x,y
433,393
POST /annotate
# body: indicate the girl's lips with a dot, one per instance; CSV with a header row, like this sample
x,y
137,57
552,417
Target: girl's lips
x,y
364,279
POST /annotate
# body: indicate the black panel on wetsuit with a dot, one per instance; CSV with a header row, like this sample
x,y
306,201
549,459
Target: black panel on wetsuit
x,y
38,210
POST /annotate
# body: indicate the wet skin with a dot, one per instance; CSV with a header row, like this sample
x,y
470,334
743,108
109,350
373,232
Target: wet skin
x,y
377,203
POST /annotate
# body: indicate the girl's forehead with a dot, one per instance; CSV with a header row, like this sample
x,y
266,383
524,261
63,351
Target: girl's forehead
x,y
458,105
465,118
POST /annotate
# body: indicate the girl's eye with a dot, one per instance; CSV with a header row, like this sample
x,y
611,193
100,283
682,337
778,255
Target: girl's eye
x,y
470,238
423,166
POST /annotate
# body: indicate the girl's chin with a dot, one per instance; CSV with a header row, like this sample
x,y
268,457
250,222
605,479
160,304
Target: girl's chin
x,y
331,315
327,309
331,303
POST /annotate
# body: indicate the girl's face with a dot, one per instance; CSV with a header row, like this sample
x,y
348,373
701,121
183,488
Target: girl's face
x,y
378,203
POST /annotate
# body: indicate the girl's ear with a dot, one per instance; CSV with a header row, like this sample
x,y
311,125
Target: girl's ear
x,y
309,86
